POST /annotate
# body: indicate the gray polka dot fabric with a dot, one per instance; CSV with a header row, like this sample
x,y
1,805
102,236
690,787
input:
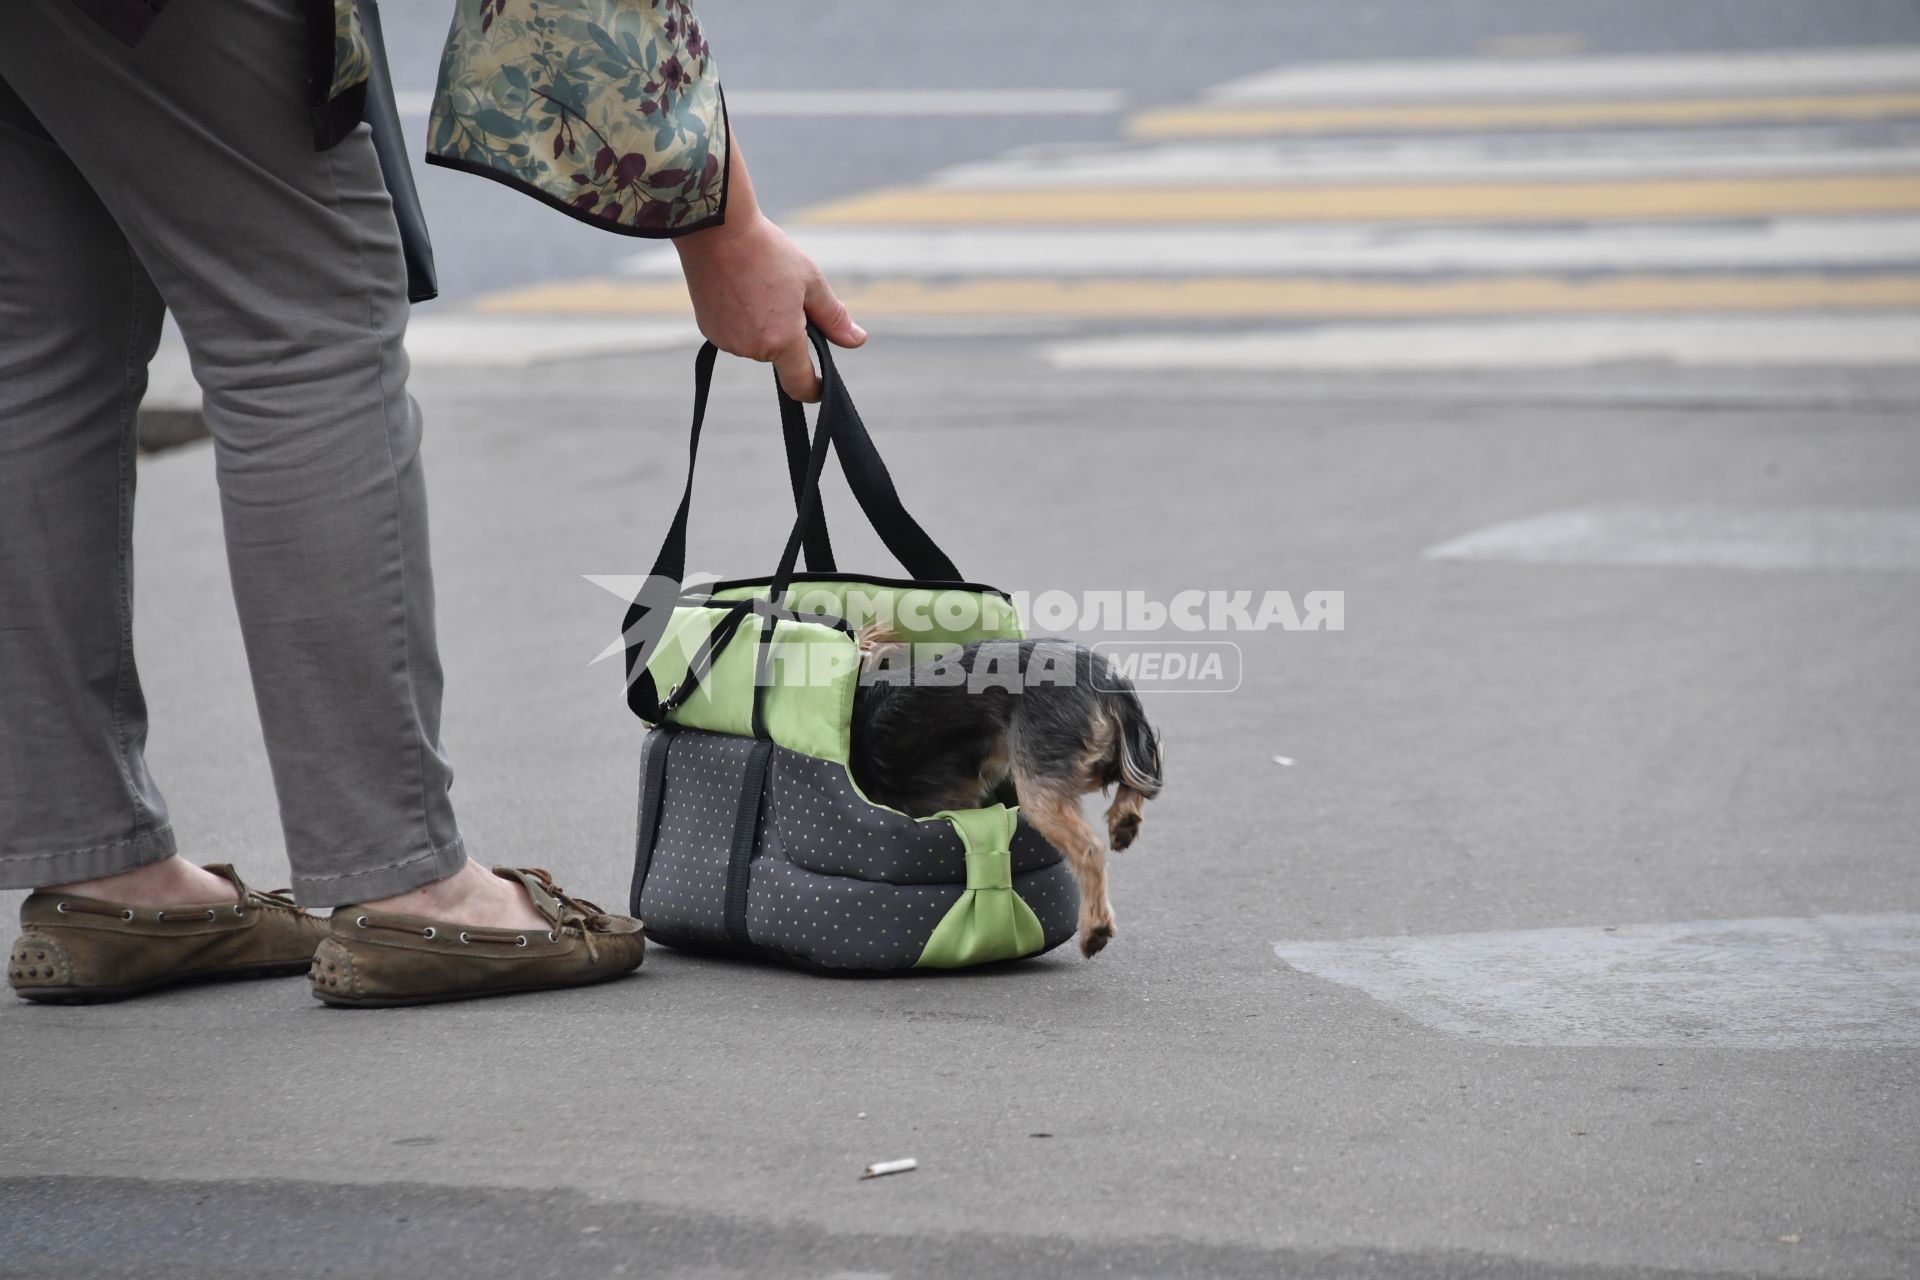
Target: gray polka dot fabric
x,y
686,888
835,883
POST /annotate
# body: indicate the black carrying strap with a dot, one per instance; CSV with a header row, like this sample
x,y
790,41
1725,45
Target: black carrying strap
x,y
793,428
868,477
840,428
653,786
671,562
746,834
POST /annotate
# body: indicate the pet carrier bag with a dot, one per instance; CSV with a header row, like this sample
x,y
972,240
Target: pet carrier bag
x,y
753,837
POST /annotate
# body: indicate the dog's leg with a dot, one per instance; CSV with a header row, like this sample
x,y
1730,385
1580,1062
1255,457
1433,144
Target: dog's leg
x,y
1133,758
1054,810
1124,816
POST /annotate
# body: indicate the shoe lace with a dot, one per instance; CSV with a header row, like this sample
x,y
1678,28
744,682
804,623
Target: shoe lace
x,y
270,900
573,913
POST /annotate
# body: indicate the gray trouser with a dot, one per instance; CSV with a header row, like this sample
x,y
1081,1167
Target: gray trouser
x,y
182,174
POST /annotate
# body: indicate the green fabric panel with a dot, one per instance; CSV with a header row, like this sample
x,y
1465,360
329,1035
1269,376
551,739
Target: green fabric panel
x,y
722,704
990,921
924,615
809,705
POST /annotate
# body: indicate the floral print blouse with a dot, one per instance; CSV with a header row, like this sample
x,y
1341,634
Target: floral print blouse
x,y
609,110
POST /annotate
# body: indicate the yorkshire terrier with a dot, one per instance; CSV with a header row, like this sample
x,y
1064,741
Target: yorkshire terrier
x,y
1052,717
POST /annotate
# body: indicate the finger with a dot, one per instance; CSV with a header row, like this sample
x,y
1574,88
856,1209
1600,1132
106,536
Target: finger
x,y
825,309
794,367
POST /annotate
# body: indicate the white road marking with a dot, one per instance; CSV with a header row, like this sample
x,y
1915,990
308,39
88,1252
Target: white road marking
x,y
1799,982
1805,339
1341,249
1699,537
470,342
1481,80
880,103
1491,157
485,342
926,102
456,341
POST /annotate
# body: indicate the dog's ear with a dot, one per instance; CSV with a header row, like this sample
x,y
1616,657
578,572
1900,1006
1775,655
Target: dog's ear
x,y
877,645
873,635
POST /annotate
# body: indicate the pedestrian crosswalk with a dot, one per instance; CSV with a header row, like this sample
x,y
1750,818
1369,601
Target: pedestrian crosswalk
x,y
1783,187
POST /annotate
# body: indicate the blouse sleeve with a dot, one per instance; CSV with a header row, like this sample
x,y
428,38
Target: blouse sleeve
x,y
609,110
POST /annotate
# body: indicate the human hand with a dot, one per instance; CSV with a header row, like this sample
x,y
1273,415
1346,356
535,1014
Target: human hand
x,y
753,292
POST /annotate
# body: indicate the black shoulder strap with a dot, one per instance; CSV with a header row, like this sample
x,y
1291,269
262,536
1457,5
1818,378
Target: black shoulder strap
x,y
382,115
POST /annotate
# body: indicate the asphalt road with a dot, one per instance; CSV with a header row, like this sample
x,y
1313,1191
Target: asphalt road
x,y
1487,746
1556,917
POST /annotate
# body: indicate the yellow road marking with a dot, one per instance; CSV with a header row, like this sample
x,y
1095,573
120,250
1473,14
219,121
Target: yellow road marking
x,y
1502,201
1274,297
1212,122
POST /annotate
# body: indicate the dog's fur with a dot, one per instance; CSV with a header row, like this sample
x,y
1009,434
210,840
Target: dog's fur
x,y
921,744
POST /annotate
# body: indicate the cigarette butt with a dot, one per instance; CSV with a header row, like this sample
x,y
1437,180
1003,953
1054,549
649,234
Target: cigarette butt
x,y
886,1167
1283,759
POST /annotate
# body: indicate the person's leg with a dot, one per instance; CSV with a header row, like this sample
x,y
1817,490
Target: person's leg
x,y
79,320
283,267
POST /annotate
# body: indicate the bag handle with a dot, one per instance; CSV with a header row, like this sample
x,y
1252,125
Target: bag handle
x,y
840,428
866,474
868,477
671,562
793,427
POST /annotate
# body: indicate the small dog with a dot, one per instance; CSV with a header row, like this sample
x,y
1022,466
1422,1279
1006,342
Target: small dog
x,y
1051,716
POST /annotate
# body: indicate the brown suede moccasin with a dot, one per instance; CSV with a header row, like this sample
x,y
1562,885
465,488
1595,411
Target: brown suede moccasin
x,y
75,950
373,959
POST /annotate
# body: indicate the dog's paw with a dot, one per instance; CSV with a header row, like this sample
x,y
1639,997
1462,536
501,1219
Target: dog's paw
x,y
1093,939
1122,830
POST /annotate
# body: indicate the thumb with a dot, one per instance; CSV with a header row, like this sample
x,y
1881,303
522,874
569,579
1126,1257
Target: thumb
x,y
825,309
